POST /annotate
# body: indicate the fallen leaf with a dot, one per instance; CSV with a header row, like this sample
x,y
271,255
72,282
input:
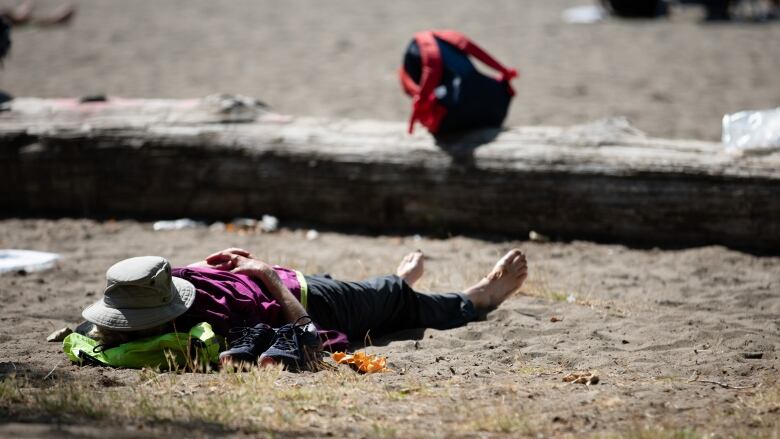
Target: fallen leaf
x,y
361,361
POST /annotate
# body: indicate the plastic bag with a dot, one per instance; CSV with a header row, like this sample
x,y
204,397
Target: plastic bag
x,y
752,131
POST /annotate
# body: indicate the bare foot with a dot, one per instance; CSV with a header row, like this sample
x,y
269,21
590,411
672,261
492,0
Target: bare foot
x,y
20,14
507,277
61,16
411,267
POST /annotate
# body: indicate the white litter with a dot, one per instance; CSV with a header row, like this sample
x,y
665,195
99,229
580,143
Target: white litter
x,y
246,224
754,131
571,299
218,226
583,14
537,237
26,260
312,234
269,223
179,224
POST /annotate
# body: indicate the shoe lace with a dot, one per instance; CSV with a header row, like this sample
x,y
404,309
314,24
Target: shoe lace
x,y
285,338
244,336
298,339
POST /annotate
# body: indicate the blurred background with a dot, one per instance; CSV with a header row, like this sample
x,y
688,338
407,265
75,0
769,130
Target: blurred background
x,y
673,76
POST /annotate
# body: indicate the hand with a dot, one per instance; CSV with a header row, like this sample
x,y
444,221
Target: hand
x,y
229,259
232,251
253,268
240,261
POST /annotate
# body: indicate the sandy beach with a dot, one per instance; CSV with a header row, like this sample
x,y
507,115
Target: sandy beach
x,y
685,342
652,324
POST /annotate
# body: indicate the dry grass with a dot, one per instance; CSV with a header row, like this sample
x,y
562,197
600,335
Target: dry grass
x,y
270,402
762,407
482,393
256,401
527,401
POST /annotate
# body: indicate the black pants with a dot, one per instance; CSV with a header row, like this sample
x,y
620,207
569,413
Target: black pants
x,y
382,305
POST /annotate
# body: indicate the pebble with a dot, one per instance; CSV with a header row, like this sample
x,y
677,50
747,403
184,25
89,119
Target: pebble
x,y
753,355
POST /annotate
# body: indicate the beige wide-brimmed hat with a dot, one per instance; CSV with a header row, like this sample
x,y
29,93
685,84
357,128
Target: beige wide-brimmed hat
x,y
140,294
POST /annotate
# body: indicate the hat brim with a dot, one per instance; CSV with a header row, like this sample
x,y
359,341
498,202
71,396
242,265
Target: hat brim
x,y
136,319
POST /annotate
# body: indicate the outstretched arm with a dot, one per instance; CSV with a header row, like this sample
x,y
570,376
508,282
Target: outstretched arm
x,y
242,262
221,260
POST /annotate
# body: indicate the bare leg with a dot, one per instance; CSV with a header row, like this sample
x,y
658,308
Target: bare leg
x,y
411,267
507,277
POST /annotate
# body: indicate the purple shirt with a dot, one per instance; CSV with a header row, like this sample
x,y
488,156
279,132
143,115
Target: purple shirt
x,y
227,300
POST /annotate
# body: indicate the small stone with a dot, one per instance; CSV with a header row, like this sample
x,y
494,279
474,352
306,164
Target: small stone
x,y
753,355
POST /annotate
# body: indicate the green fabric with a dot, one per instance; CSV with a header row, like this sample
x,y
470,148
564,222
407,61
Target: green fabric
x,y
193,350
304,289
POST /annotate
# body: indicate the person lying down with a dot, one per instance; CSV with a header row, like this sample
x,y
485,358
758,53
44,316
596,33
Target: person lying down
x,y
242,311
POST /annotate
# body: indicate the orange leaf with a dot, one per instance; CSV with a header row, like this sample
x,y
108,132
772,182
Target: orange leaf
x,y
361,361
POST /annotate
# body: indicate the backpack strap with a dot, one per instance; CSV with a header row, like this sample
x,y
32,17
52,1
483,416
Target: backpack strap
x,y
410,87
460,41
425,109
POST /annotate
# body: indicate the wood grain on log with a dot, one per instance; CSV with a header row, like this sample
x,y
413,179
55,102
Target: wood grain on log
x,y
602,181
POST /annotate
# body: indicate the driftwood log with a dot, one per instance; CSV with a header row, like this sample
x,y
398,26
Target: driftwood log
x,y
227,157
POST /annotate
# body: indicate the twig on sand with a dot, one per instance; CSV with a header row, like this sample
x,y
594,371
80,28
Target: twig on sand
x,y
695,379
50,372
725,386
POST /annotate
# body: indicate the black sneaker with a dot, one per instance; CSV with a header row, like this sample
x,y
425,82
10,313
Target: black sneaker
x,y
297,346
247,344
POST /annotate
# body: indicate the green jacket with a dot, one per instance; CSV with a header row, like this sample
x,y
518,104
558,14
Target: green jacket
x,y
194,350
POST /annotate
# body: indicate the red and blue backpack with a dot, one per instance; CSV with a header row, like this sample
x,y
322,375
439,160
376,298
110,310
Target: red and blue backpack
x,y
448,93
